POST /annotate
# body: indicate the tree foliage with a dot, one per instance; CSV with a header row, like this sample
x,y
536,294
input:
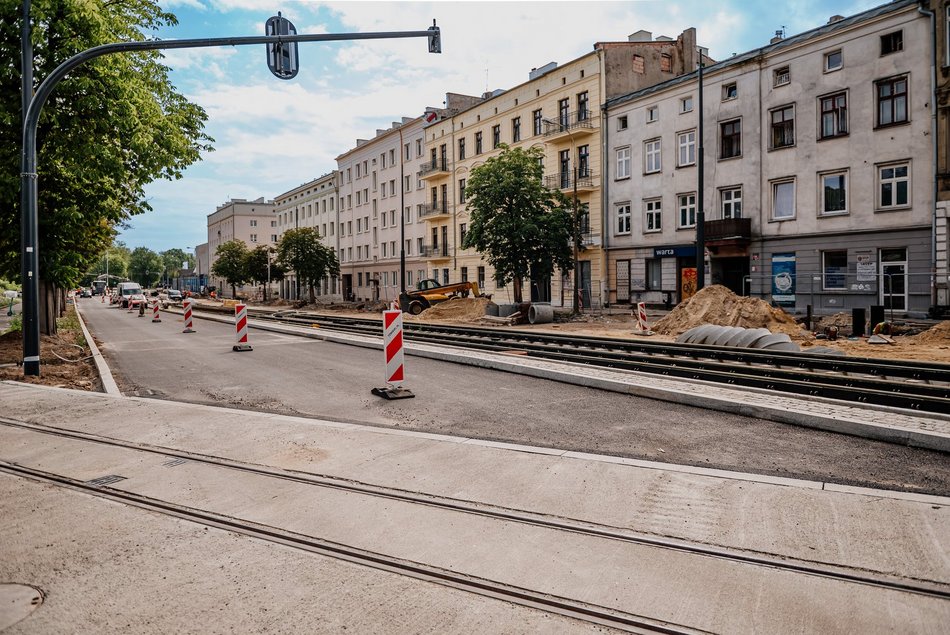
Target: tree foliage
x,y
301,251
145,266
521,227
262,265
231,263
172,260
111,127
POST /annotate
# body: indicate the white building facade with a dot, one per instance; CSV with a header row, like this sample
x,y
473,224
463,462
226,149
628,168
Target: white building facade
x,y
251,222
818,177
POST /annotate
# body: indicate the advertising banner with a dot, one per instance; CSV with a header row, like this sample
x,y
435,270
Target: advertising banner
x,y
783,279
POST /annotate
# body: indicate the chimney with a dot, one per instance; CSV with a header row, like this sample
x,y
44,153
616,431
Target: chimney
x,y
835,18
640,36
778,37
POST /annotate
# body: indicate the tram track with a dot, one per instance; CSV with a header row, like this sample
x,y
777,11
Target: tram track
x,y
526,597
916,386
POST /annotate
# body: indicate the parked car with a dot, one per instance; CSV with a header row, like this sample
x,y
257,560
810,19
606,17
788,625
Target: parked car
x,y
85,293
170,295
126,290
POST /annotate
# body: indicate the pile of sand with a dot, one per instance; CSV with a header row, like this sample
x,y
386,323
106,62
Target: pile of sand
x,y
453,310
937,334
719,305
841,319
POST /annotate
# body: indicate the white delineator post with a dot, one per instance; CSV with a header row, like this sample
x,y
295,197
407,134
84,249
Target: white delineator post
x,y
188,317
240,325
392,345
155,316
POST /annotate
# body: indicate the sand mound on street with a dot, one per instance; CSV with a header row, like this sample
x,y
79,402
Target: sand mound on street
x,y
453,310
937,334
719,305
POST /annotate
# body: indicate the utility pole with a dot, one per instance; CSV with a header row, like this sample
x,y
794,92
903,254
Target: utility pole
x,y
700,212
30,263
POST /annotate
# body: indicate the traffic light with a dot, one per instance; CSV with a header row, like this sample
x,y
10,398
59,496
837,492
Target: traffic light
x,y
435,39
281,57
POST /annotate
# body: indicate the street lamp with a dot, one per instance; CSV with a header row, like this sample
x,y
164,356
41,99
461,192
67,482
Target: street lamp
x,y
565,126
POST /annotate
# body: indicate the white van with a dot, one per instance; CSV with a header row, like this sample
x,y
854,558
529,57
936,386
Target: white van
x,y
126,290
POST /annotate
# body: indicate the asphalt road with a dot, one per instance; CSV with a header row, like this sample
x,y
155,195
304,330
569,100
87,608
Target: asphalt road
x,y
307,377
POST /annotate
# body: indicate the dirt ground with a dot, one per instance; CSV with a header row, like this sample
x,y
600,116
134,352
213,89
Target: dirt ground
x,y
66,362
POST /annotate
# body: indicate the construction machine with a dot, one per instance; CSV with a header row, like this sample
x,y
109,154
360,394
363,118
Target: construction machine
x,y
429,292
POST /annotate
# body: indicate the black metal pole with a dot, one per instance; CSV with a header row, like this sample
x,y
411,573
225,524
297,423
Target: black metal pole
x,y
402,215
30,262
577,230
700,211
28,196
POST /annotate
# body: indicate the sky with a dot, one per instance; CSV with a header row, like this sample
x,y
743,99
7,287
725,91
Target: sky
x,y
272,135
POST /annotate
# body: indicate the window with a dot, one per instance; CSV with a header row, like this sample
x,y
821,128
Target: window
x,y
478,143
418,147
781,76
834,115
666,63
892,101
583,109
623,218
495,136
407,184
563,112
834,194
623,163
653,114
583,161
730,91
654,219
687,208
893,186
622,123
783,127
463,229
253,238
730,135
383,194
833,61
783,200
253,223
461,190
652,156
516,129
686,148
461,148
273,238
382,159
892,42
407,153
537,118
834,269
273,223
686,104
654,274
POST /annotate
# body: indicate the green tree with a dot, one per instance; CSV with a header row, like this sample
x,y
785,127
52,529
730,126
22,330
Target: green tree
x,y
172,260
231,263
261,266
521,227
115,261
301,251
145,266
114,125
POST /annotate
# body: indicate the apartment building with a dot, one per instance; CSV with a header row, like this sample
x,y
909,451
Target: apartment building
x,y
379,200
940,67
251,222
818,169
312,204
559,110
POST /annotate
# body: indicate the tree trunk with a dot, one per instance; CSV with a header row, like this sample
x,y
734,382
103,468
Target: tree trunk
x,y
312,297
234,292
518,285
49,309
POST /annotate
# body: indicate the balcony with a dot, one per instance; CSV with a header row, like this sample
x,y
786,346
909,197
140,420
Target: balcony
x,y
586,181
436,252
727,231
578,124
433,210
434,169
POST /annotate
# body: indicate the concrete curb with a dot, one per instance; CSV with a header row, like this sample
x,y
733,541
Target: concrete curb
x,y
879,423
105,375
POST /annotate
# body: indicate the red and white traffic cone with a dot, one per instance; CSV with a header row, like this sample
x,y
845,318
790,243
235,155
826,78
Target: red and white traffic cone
x,y
155,316
240,325
102,297
131,306
643,327
392,347
188,318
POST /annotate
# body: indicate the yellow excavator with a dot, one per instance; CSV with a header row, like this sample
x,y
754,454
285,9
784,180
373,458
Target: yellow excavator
x,y
429,292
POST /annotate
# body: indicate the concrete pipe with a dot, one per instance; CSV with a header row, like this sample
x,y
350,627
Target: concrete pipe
x,y
504,310
540,314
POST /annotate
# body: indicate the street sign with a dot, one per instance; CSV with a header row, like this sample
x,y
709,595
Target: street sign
x,y
282,57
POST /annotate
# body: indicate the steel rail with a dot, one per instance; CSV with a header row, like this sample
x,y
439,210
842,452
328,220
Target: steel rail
x,y
889,384
820,569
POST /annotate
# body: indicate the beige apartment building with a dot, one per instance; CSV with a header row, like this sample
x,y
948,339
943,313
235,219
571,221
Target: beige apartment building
x,y
558,110
251,222
818,170
313,204
379,203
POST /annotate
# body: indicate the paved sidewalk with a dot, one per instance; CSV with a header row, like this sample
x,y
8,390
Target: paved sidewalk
x,y
174,565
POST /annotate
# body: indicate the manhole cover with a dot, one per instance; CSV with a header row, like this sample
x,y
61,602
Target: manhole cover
x,y
17,601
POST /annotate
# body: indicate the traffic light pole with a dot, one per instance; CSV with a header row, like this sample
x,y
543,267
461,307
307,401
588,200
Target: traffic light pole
x,y
29,193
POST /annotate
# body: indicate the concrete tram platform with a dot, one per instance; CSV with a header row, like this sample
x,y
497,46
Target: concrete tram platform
x,y
104,566
893,425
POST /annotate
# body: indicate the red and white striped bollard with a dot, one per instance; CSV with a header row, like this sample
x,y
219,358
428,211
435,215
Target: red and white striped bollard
x,y
188,316
393,350
643,327
240,325
155,316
